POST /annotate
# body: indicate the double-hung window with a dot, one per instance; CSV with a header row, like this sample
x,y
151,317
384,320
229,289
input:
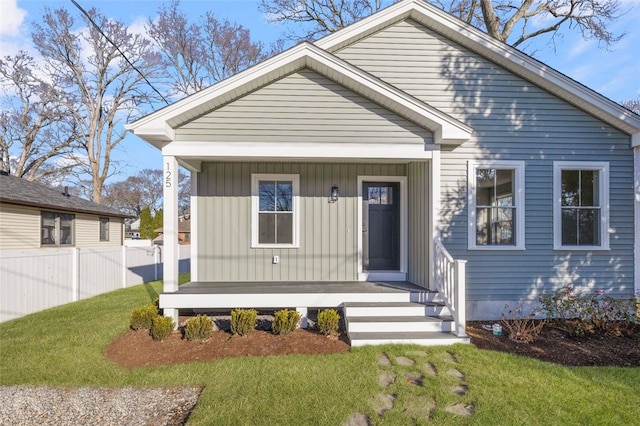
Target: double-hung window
x,y
56,229
581,205
496,205
275,210
104,229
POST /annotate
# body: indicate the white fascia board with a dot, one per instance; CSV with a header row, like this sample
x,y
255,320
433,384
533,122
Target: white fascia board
x,y
509,57
295,151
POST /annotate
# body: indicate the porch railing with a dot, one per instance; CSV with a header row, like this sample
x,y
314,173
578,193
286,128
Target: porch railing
x,y
450,283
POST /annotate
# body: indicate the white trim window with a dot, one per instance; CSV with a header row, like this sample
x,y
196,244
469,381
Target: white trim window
x,y
496,205
57,229
275,212
581,205
104,229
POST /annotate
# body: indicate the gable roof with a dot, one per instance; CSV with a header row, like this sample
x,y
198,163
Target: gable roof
x,y
15,190
501,53
157,128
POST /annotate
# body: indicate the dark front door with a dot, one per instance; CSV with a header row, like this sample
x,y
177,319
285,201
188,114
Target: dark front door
x,y
381,226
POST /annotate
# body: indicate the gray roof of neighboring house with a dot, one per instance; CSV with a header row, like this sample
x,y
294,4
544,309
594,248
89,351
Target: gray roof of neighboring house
x,y
14,190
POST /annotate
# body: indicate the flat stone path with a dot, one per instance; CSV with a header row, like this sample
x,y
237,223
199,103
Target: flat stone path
x,y
413,371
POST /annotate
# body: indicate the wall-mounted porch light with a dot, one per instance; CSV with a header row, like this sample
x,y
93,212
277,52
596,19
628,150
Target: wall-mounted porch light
x,y
335,192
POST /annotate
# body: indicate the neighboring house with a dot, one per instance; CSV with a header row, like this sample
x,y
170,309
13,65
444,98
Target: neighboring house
x,y
35,216
132,230
184,233
394,150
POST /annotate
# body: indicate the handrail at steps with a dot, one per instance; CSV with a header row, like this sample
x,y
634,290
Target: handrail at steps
x,y
450,280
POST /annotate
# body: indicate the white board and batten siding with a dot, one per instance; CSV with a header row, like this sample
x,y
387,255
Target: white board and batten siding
x,y
34,280
328,236
512,120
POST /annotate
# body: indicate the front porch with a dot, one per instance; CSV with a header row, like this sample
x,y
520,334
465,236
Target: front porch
x,y
376,312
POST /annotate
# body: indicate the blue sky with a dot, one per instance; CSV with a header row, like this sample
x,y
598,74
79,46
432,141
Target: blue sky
x,y
615,73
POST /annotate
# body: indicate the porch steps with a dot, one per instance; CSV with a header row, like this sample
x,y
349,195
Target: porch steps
x,y
426,323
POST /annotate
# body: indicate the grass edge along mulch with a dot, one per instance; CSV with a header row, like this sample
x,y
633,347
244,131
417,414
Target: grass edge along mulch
x,y
63,347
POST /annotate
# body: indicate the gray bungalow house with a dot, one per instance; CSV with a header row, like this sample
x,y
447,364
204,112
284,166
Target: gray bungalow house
x,y
409,169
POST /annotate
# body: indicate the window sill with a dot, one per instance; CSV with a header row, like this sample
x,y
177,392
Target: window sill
x,y
275,246
582,248
496,248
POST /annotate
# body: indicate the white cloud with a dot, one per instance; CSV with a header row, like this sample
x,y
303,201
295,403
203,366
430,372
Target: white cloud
x,y
11,18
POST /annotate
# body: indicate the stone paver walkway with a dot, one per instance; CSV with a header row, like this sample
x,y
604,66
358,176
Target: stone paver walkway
x,y
412,370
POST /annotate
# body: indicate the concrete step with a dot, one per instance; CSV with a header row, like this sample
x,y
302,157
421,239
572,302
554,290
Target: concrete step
x,y
386,309
404,338
397,324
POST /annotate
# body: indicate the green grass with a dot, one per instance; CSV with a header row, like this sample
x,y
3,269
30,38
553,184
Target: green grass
x,y
63,346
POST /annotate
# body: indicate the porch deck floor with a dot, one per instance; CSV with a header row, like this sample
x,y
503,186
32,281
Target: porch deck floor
x,y
299,287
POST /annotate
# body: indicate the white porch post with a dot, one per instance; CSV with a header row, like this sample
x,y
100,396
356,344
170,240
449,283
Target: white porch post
x,y
434,217
636,220
170,230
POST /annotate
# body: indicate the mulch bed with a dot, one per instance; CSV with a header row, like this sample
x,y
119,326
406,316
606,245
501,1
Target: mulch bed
x,y
137,349
555,346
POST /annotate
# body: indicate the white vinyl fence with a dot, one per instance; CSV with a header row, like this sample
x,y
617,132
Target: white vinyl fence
x,y
33,280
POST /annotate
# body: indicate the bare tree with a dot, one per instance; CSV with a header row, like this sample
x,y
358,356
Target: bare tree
x,y
107,88
510,21
35,132
196,55
632,104
144,190
324,16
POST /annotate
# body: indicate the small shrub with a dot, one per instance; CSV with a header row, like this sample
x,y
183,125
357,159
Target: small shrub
x,y
161,327
328,321
522,327
243,321
285,321
141,318
199,327
589,313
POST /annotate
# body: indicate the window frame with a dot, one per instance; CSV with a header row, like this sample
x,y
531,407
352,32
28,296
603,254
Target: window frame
x,y
255,207
58,228
602,167
104,221
518,167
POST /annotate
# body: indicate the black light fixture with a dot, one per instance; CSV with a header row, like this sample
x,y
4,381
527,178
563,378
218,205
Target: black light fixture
x,y
335,192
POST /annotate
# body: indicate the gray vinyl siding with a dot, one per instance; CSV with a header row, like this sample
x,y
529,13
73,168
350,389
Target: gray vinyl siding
x,y
512,120
303,107
419,194
328,234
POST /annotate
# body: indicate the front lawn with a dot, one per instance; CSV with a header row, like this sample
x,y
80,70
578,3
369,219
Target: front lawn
x,y
63,347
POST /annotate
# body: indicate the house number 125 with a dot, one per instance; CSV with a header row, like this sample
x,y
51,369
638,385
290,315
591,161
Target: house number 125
x,y
167,178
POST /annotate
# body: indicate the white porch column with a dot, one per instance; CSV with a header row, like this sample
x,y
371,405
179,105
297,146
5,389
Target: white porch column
x,y
434,217
170,230
636,219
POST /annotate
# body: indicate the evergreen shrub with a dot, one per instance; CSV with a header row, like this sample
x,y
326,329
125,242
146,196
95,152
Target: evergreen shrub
x,y
243,321
285,321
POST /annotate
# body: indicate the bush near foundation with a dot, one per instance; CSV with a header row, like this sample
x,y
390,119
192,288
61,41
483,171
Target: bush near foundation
x,y
198,328
285,321
243,321
161,327
141,318
328,321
